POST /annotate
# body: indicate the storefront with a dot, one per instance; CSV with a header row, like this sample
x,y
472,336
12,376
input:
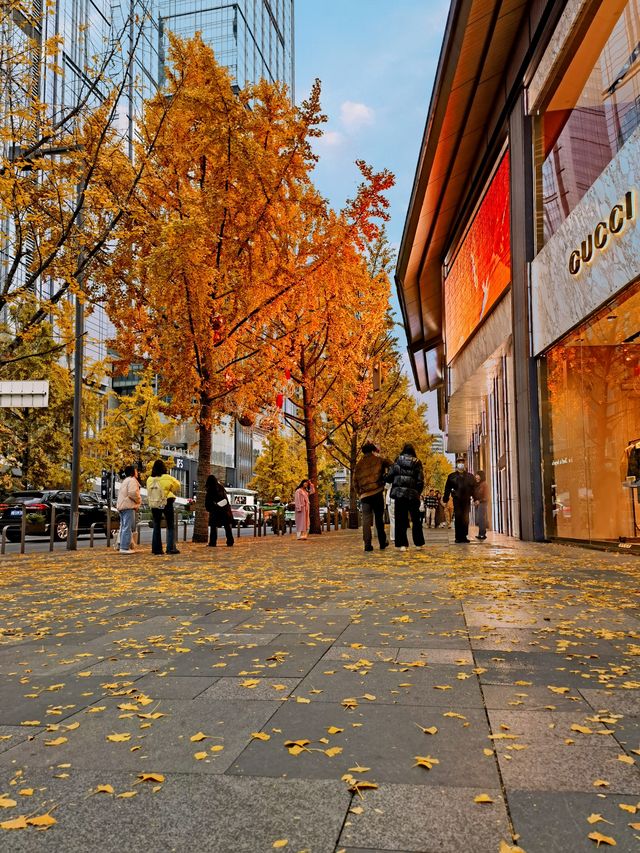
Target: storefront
x,y
585,281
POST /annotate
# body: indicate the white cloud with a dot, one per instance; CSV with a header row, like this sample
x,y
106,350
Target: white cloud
x,y
331,138
355,115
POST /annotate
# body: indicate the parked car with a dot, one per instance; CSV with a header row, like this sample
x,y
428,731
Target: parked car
x,y
37,506
242,514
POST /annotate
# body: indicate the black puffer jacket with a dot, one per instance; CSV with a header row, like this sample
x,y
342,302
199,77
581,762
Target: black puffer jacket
x,y
406,478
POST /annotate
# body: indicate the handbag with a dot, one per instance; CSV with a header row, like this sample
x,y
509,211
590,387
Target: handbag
x,y
222,503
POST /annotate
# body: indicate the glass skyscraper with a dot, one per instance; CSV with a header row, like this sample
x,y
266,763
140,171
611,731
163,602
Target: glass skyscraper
x,y
252,38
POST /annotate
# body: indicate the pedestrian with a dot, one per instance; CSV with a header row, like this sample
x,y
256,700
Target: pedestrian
x,y
391,509
217,504
162,491
440,510
481,500
461,487
423,508
430,506
369,482
128,502
301,499
407,482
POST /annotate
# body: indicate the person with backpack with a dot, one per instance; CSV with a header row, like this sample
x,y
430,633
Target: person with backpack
x,y
369,482
216,502
407,482
128,502
162,490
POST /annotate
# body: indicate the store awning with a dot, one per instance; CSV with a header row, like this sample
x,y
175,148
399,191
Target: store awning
x,y
479,37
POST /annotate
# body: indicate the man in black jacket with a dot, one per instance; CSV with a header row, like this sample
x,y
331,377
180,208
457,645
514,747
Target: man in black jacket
x,y
461,486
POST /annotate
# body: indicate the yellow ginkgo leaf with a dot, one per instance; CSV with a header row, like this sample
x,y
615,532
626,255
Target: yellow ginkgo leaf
x,y
126,795
56,742
597,818
200,755
197,737
121,737
103,789
217,748
151,777
16,823
334,730
626,807
281,842
6,802
585,730
43,820
425,761
31,723
260,736
483,798
602,839
626,759
333,751
26,792
509,848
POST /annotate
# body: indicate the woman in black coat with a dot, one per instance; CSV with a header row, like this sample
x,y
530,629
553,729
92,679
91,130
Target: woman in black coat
x,y
407,482
216,503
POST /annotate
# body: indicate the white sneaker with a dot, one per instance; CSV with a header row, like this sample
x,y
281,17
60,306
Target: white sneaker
x,y
403,548
419,546
126,552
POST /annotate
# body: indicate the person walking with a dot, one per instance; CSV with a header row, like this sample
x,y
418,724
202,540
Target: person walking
x,y
430,508
301,499
407,482
481,501
128,502
369,482
461,487
440,510
391,509
216,502
162,491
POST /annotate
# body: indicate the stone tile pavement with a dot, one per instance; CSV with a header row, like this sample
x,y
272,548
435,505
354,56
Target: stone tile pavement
x,y
311,697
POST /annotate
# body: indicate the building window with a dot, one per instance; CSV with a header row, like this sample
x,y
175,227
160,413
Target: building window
x,y
594,110
591,386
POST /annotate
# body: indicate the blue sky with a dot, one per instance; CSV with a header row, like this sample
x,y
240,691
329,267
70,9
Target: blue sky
x,y
376,60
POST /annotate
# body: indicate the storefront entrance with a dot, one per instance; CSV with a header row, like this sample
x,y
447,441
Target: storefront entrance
x,y
591,383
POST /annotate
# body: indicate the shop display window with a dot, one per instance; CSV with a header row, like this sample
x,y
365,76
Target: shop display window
x,y
591,425
591,115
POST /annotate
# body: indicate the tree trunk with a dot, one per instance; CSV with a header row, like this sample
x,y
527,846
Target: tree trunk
x,y
353,495
201,524
312,462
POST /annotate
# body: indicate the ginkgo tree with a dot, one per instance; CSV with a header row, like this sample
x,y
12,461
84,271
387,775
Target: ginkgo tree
x,y
65,177
225,232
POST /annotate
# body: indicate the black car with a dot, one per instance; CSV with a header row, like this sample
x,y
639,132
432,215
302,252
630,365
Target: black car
x,y
37,506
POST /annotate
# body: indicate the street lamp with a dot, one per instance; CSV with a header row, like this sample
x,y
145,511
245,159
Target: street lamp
x,y
16,155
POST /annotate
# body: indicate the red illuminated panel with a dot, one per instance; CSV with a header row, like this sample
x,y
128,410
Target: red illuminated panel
x,y
481,271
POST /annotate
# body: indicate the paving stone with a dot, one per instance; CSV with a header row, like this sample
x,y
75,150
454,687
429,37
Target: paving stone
x,y
295,622
39,695
435,685
396,636
174,686
540,668
129,666
436,819
557,822
384,738
266,688
201,813
344,653
437,656
532,698
11,736
166,745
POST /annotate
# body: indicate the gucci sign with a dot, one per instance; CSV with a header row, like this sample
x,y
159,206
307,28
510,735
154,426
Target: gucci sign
x,y
604,232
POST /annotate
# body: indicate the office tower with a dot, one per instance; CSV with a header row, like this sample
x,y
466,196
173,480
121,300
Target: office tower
x,y
252,38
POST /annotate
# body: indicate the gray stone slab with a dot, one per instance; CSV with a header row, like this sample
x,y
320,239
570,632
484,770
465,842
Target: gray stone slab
x,y
165,743
277,689
200,813
536,726
438,656
557,822
385,738
48,699
11,736
401,638
431,686
129,667
427,820
532,698
344,653
174,686
625,702
294,622
541,668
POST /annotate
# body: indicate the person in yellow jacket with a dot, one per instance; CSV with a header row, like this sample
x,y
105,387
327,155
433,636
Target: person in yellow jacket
x,y
162,490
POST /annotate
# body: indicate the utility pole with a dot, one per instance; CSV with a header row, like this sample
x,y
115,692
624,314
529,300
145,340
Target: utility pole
x,y
78,362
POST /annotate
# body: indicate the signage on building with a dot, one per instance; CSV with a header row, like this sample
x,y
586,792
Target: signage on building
x,y
606,230
481,270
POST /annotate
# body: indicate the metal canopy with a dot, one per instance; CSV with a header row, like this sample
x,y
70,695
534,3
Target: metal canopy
x,y
479,37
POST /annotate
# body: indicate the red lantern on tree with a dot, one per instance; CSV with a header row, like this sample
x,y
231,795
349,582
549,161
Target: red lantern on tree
x,y
279,400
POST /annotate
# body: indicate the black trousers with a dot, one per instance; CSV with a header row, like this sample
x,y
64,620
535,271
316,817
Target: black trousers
x,y
373,509
405,510
156,538
224,521
461,519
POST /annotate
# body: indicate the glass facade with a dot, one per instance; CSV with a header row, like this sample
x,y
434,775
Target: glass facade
x,y
588,122
591,417
252,38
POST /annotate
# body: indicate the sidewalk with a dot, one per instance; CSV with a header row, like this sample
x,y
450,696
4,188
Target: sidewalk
x,y
306,696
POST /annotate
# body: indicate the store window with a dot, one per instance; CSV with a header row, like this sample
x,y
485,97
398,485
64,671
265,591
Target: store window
x,y
591,383
594,110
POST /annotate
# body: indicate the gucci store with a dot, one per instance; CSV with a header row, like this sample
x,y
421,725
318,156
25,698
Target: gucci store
x,y
585,281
